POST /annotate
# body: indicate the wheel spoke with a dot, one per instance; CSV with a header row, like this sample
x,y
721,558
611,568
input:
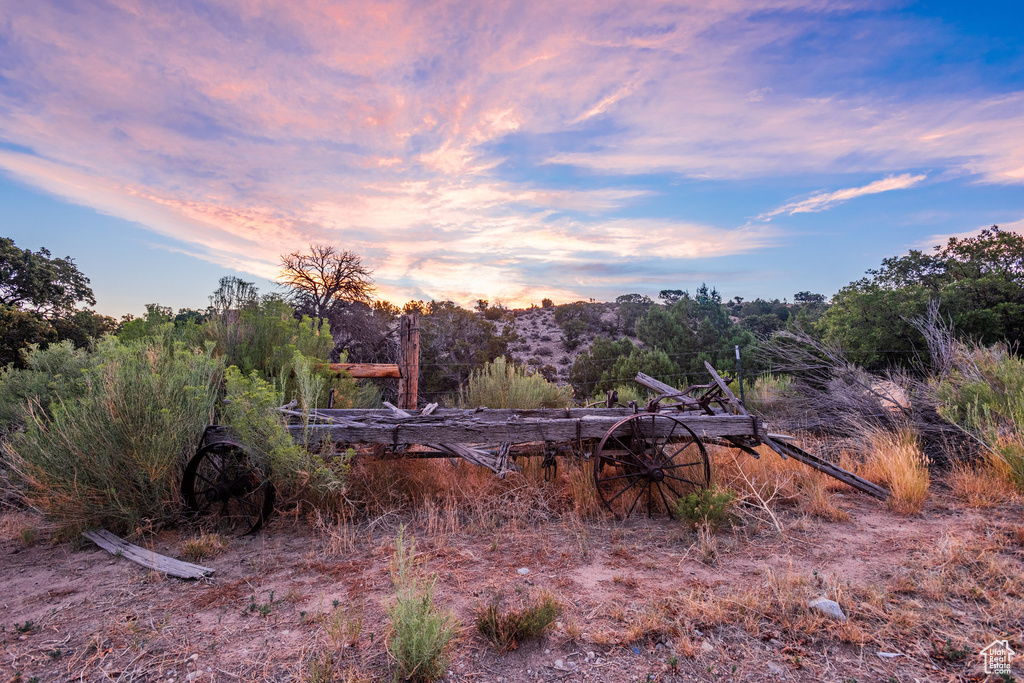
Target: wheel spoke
x,y
635,501
245,514
212,484
619,476
215,463
668,509
248,502
624,446
683,464
671,488
623,463
631,484
688,481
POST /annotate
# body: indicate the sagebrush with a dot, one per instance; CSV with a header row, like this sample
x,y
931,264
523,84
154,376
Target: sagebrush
x,y
110,450
502,384
421,633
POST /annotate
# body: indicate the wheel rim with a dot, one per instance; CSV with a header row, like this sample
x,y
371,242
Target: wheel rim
x,y
221,484
648,461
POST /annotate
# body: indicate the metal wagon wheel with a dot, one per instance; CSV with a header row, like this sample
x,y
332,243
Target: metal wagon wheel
x,y
220,479
651,459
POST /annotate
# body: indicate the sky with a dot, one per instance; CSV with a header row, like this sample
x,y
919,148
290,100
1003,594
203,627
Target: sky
x,y
509,151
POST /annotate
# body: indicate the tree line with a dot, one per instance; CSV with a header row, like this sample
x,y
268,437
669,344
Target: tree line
x,y
976,282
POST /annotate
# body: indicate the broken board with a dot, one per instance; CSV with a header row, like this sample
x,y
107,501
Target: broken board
x,y
116,545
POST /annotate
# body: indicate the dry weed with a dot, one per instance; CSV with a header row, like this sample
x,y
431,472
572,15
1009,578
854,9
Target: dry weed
x,y
817,499
707,545
896,460
199,548
979,486
337,537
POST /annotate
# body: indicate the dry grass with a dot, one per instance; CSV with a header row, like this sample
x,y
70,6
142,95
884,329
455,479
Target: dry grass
x,y
199,548
895,459
818,499
979,486
770,483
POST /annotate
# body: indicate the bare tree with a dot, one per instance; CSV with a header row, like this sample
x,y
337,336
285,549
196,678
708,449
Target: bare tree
x,y
325,279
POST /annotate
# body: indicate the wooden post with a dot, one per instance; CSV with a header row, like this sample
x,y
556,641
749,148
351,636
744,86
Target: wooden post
x,y
409,361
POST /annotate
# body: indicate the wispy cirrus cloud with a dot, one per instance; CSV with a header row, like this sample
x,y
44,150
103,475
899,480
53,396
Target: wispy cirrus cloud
x,y
432,137
826,200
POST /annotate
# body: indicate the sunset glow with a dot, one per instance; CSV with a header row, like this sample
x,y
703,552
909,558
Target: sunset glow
x,y
506,151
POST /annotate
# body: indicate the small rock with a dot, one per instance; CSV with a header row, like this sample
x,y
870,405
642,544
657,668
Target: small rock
x,y
636,650
776,669
193,676
659,646
706,646
775,641
559,664
547,652
890,655
523,570
829,608
591,655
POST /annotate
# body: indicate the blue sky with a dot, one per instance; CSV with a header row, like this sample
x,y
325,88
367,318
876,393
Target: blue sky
x,y
507,151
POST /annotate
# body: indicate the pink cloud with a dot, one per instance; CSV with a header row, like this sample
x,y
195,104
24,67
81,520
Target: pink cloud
x,y
826,200
248,129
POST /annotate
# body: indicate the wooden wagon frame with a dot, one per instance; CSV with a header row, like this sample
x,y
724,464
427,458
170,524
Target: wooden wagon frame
x,y
642,458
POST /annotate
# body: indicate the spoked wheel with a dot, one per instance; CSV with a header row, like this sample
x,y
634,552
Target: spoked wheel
x,y
649,460
220,480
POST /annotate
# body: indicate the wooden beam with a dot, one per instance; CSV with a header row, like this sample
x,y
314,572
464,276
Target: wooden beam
x,y
438,429
147,558
409,361
368,370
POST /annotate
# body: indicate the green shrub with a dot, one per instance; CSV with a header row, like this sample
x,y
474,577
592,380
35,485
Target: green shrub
x,y
984,394
708,507
263,335
110,448
507,629
56,370
298,469
421,634
503,385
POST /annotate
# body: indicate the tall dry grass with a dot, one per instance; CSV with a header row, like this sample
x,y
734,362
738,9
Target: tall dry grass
x,y
769,483
895,460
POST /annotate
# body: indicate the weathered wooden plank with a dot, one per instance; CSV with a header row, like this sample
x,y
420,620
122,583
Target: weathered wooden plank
x,y
483,414
368,370
398,412
733,405
147,558
469,430
654,385
409,361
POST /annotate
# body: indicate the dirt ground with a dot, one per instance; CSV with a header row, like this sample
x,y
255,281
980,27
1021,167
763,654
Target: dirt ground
x,y
644,599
